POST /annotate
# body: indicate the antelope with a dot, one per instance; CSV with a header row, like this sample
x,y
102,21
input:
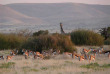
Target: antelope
x,y
8,58
26,55
37,54
109,55
56,52
76,55
108,52
100,51
12,53
94,52
68,53
81,58
91,57
30,52
86,51
2,57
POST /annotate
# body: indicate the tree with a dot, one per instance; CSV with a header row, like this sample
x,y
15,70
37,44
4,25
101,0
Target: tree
x,y
105,32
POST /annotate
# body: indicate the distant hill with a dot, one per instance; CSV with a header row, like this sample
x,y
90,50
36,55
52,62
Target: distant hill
x,y
49,15
10,16
64,12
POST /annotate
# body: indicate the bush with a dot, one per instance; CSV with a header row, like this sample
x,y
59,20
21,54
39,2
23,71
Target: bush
x,y
46,42
107,42
41,32
10,41
86,37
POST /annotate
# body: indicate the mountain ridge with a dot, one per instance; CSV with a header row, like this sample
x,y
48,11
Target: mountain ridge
x,y
63,12
10,16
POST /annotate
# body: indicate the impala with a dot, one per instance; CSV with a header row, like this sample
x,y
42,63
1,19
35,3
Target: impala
x,y
2,57
91,57
8,58
38,54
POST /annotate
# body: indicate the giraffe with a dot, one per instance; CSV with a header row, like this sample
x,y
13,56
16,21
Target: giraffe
x,y
62,31
61,28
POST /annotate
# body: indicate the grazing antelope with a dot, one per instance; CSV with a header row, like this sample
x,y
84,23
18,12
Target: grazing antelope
x,y
94,52
86,51
56,52
76,55
8,58
109,55
38,54
12,53
2,57
30,53
91,57
100,51
46,53
108,52
68,53
26,55
81,58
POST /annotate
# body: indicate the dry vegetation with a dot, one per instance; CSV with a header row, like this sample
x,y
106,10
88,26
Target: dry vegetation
x,y
60,64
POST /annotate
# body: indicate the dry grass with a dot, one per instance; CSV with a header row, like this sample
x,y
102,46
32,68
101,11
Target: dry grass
x,y
59,65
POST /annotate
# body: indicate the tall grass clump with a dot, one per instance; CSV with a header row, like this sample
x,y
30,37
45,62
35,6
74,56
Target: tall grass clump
x,y
86,37
46,42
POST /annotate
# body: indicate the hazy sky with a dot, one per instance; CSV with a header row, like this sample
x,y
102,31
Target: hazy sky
x,y
104,2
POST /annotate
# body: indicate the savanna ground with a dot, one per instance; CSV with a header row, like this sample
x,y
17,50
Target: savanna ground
x,y
60,64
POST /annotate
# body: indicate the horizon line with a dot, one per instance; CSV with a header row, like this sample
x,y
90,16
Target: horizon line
x,y
57,3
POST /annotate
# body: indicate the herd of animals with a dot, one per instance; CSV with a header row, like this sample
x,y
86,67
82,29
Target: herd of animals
x,y
85,54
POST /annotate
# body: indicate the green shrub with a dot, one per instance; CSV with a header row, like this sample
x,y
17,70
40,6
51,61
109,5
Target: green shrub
x,y
41,32
45,42
86,37
10,41
107,42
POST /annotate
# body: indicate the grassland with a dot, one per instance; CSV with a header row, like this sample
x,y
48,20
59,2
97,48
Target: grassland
x,y
60,64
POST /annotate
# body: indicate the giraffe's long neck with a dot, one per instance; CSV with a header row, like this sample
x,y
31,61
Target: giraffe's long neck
x,y
62,31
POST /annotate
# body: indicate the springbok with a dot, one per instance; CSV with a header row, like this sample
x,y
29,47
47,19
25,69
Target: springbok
x,y
109,55
26,55
94,52
12,53
76,55
68,53
91,57
2,57
38,54
56,52
86,51
108,52
80,57
8,58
